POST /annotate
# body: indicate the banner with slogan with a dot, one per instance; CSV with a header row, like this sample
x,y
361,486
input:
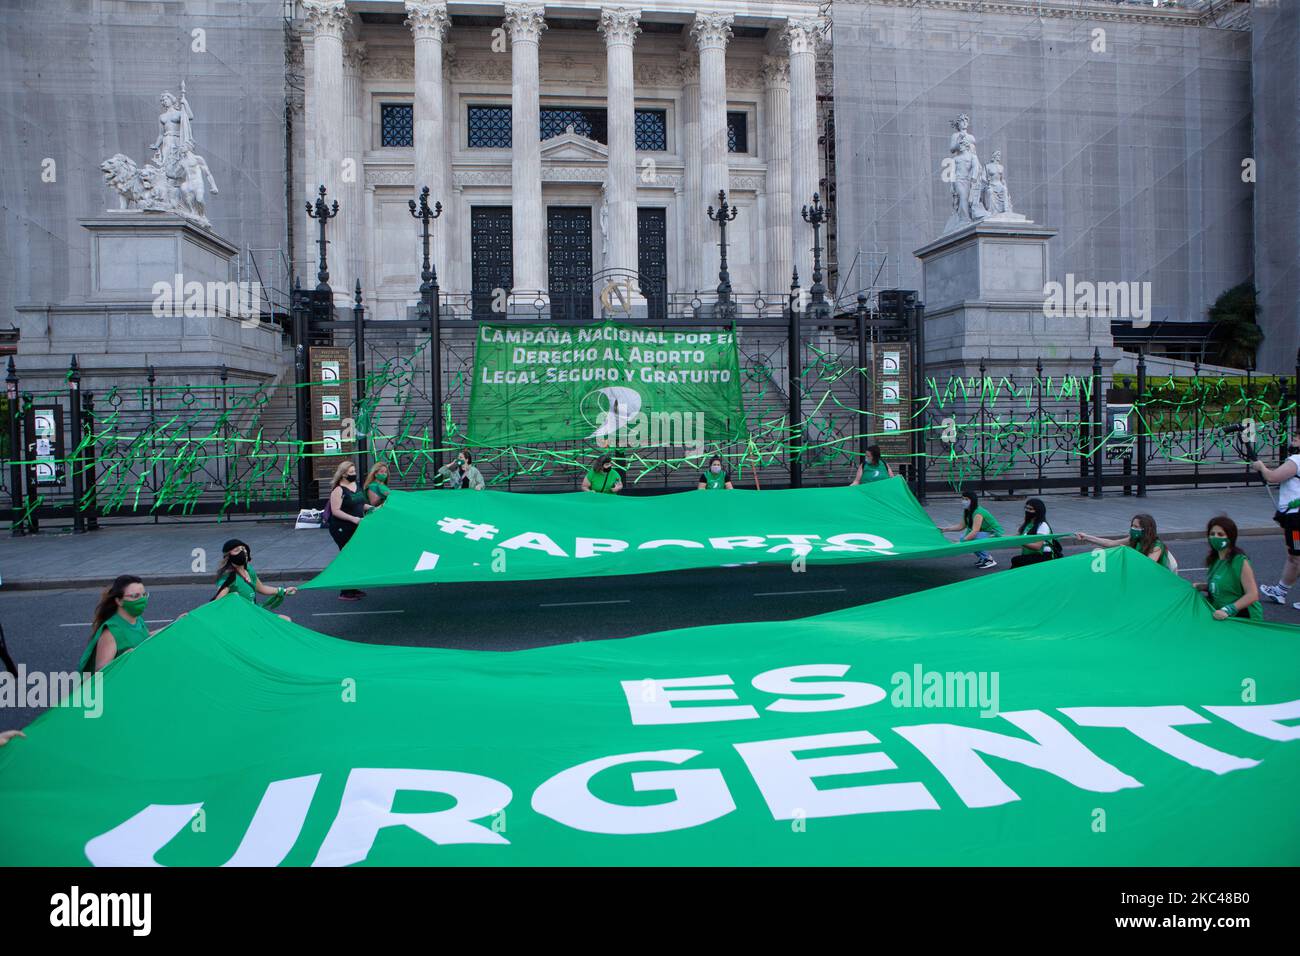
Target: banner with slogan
x,y
1068,713
421,537
632,386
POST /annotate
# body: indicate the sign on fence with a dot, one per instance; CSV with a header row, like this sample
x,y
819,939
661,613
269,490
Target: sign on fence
x,y
332,419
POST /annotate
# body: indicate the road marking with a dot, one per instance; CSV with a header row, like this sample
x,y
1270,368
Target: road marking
x,y
1181,570
351,613
585,603
782,593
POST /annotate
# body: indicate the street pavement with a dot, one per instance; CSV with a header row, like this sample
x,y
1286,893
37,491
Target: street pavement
x,y
51,581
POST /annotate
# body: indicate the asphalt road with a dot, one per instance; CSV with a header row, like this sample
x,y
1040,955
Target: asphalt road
x,y
47,630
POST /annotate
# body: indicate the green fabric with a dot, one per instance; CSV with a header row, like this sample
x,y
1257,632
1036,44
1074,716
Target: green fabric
x,y
1223,580
126,635
424,536
245,589
603,482
230,699
876,472
990,523
539,383
1164,553
380,489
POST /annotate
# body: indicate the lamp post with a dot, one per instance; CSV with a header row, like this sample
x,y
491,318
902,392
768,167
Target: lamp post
x,y
17,528
322,214
724,215
815,216
430,306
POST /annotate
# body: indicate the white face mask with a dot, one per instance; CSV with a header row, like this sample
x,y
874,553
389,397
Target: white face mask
x,y
715,468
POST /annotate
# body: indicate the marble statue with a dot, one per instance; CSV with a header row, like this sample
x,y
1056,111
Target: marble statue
x,y
604,224
967,177
177,181
997,200
174,128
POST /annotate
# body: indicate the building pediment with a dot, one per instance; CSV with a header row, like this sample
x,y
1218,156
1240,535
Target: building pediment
x,y
571,147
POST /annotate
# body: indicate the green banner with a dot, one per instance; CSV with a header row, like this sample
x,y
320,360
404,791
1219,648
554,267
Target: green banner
x,y
421,537
1088,711
632,387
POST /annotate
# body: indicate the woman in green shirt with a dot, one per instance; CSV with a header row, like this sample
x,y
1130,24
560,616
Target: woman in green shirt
x,y
1142,538
237,576
118,625
977,522
376,484
603,479
872,468
1229,579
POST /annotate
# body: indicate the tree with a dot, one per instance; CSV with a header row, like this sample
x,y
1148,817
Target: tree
x,y
1235,335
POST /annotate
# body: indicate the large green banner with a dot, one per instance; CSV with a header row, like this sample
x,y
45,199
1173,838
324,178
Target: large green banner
x,y
422,537
633,387
1088,711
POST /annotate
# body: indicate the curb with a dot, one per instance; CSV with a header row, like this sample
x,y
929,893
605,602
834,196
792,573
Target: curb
x,y
301,575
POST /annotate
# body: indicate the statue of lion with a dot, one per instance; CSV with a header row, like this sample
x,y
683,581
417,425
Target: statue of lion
x,y
137,187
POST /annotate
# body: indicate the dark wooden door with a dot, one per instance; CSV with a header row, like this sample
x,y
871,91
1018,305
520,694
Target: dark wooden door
x,y
652,259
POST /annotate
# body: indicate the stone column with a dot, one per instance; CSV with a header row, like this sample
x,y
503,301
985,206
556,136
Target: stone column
x,y
525,22
801,36
351,262
620,27
327,20
306,252
780,248
429,24
692,212
711,32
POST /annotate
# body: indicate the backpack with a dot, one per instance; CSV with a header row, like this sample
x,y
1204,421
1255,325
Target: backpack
x,y
1057,550
326,513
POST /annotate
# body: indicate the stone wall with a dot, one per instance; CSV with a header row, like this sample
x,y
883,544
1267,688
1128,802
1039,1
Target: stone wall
x,y
1134,154
80,82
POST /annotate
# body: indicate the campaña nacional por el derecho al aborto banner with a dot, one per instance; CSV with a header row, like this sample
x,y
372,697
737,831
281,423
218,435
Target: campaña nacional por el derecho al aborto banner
x,y
635,386
1076,712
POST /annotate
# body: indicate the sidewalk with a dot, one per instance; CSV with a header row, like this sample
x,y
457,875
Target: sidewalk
x,y
165,553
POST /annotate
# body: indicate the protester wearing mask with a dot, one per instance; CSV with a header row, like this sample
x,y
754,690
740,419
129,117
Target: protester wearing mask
x,y
715,477
1229,583
462,474
602,478
977,522
1287,476
1142,538
376,484
118,625
237,576
347,506
1036,523
872,468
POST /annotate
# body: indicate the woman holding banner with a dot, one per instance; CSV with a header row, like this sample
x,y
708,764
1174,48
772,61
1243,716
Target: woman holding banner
x,y
977,522
118,625
1229,583
602,478
376,484
347,506
237,576
1142,538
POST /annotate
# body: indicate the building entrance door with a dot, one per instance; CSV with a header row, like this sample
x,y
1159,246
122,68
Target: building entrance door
x,y
568,243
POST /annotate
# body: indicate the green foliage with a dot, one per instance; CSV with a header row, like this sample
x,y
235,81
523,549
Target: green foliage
x,y
1236,335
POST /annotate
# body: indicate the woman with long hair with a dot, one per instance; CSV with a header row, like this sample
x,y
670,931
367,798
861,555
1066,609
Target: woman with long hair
x,y
977,522
118,623
1142,538
1035,523
376,484
872,468
347,506
1229,583
238,576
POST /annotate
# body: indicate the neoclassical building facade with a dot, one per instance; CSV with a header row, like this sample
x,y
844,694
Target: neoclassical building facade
x,y
562,141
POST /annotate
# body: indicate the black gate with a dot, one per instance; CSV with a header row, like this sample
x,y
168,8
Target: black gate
x,y
568,241
652,260
491,258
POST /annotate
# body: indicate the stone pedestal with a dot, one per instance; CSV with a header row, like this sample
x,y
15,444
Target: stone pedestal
x,y
111,320
983,289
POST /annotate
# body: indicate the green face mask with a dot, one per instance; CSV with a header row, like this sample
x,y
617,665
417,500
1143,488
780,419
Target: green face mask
x,y
1135,534
1218,544
136,606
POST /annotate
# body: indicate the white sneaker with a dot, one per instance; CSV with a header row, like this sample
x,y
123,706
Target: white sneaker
x,y
1273,593
985,565
1296,605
